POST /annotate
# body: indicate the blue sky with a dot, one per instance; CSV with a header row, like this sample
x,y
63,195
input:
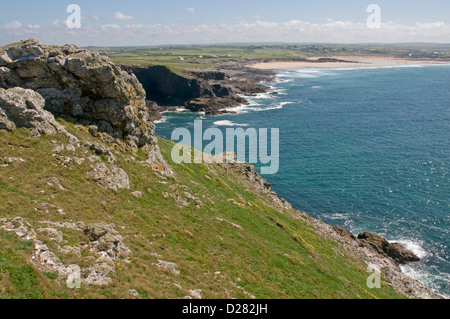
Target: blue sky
x,y
139,22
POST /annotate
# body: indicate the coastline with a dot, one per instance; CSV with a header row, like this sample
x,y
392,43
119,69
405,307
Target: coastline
x,y
367,251
343,62
250,74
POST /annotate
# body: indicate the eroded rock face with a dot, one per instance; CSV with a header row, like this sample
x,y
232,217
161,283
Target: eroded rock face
x,y
79,84
25,108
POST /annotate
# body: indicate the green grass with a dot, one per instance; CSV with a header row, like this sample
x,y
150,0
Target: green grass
x,y
272,256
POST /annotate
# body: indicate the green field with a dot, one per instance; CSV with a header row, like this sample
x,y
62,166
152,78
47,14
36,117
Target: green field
x,y
168,56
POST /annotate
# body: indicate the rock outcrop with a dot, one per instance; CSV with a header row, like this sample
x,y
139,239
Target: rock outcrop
x,y
396,251
105,239
25,108
77,85
207,91
105,245
371,248
110,177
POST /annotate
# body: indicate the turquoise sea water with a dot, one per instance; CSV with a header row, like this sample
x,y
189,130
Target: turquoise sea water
x,y
367,149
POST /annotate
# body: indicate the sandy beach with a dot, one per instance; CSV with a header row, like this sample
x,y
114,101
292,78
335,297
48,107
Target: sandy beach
x,y
353,61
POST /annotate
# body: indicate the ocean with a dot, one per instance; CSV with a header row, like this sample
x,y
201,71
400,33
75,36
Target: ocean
x,y
364,148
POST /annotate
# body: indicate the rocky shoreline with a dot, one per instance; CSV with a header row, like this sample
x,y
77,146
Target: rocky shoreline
x,y
212,91
370,247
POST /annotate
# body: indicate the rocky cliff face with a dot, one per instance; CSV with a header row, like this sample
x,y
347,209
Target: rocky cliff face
x,y
77,85
199,91
25,108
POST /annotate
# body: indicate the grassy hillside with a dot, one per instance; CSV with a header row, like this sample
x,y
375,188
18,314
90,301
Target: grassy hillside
x,y
229,242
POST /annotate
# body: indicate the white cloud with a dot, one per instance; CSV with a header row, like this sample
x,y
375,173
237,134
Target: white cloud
x,y
110,26
12,26
190,10
57,23
293,31
120,16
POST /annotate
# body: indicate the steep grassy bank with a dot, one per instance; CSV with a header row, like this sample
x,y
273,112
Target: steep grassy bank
x,y
202,229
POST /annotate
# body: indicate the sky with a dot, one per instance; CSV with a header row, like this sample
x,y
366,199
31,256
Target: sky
x,y
156,22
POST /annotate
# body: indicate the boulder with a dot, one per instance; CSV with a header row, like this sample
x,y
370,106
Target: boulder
x,y
396,251
25,108
105,239
110,178
400,254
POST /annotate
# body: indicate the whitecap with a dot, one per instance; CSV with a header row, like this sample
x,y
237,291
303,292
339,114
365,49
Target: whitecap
x,y
276,107
432,278
228,123
414,246
162,120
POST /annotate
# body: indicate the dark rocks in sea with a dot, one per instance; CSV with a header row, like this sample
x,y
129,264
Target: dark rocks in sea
x,y
396,251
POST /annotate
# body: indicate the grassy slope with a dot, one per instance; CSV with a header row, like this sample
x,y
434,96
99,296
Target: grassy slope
x,y
272,256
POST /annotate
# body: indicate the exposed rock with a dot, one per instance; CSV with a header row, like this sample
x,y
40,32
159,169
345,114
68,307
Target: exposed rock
x,y
61,147
69,250
104,238
344,232
167,266
105,242
400,254
45,260
54,182
110,178
75,84
20,227
207,91
196,294
137,194
185,200
133,293
230,223
361,248
99,275
101,149
41,257
52,234
7,161
79,226
25,108
396,251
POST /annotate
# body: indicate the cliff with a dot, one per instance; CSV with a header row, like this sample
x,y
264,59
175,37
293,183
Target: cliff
x,y
86,187
200,91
